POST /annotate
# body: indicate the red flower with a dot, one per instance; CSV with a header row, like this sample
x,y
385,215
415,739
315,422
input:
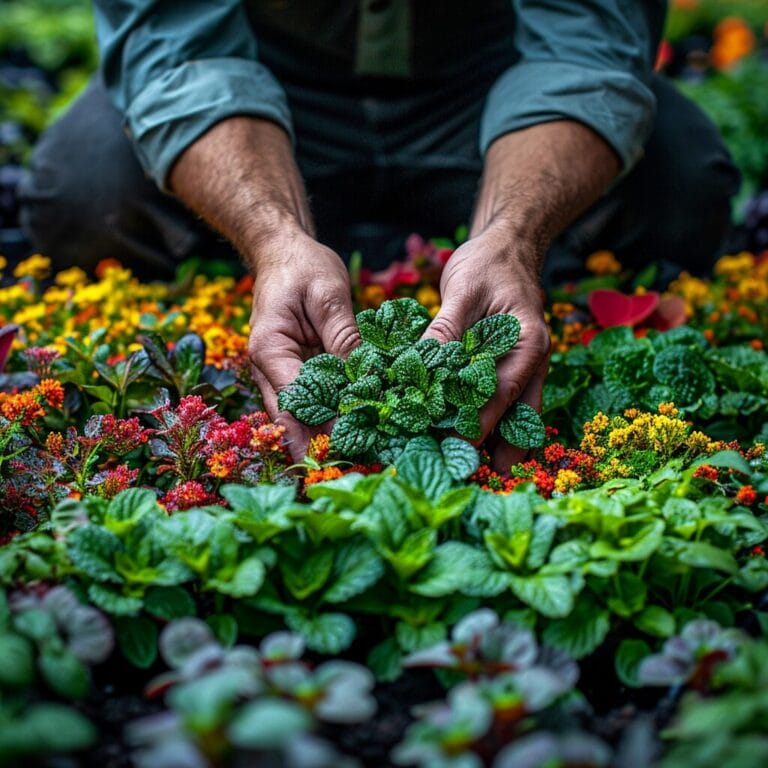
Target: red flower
x,y
611,308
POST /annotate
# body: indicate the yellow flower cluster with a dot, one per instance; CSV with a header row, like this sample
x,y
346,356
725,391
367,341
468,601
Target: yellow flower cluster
x,y
640,441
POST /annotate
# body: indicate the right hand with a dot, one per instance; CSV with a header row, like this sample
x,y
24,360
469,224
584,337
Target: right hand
x,y
302,306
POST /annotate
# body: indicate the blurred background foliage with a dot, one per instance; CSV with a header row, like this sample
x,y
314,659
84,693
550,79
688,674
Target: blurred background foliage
x,y
716,51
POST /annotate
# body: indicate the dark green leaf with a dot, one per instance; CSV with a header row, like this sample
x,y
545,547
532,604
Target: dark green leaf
x,y
137,639
522,426
493,336
627,660
169,603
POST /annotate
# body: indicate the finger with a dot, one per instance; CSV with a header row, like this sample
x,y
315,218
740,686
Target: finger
x,y
450,322
504,454
334,321
297,435
525,367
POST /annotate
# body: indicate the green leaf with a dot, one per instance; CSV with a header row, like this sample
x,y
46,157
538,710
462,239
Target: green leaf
x,y
480,376
522,426
354,433
413,638
468,422
699,554
421,465
461,458
726,460
408,369
627,660
48,728
308,576
137,639
311,398
356,568
364,361
268,723
458,567
329,633
246,580
128,507
629,594
550,595
384,660
328,367
494,335
394,324
639,546
17,669
582,631
655,620
92,550
413,554
683,370
168,603
224,626
64,673
113,602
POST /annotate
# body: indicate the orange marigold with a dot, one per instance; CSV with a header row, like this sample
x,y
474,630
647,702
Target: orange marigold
x,y
707,472
52,392
321,475
746,495
319,447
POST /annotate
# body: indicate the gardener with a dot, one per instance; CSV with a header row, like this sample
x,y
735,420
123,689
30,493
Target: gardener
x,y
385,113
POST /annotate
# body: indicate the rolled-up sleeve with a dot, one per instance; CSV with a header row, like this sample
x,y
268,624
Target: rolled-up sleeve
x,y
174,69
587,61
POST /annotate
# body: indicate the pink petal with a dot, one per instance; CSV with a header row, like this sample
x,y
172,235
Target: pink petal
x,y
668,314
7,334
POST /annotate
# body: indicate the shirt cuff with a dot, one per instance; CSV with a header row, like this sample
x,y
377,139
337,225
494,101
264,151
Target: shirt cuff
x,y
178,107
618,106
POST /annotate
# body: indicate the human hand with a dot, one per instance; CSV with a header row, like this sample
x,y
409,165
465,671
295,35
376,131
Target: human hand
x,y
302,306
485,276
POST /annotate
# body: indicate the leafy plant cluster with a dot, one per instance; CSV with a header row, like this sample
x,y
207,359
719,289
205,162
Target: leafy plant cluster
x,y
396,385
724,389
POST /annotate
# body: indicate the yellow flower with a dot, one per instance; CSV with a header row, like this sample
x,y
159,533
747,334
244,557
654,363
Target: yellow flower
x,y
566,480
3,262
428,296
668,409
735,264
603,263
36,266
71,277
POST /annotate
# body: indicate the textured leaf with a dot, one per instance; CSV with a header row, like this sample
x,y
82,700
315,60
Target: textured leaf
x,y
311,398
408,369
356,568
550,596
364,361
683,370
493,336
308,576
414,552
327,367
353,434
468,422
480,375
457,567
244,582
113,602
394,324
522,426
92,550
629,368
461,458
325,632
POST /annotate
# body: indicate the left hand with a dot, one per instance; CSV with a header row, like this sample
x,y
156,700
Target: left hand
x,y
485,276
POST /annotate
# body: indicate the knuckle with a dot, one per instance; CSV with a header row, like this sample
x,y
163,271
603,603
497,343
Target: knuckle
x,y
345,339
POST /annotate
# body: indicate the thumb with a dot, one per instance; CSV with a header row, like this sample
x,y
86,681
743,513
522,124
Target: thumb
x,y
334,322
449,323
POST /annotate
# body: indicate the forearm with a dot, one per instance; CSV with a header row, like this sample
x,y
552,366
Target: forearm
x,y
538,180
241,178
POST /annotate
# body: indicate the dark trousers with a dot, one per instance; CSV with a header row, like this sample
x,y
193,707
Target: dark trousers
x,y
377,167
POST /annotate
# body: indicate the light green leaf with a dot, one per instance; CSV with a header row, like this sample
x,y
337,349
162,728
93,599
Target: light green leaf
x,y
551,596
328,633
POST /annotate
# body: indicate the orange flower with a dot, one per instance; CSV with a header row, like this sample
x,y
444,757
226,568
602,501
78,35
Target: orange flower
x,y
603,263
707,472
52,392
746,495
319,446
321,475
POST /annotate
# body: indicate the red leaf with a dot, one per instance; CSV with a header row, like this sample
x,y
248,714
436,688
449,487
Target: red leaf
x,y
7,334
611,308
